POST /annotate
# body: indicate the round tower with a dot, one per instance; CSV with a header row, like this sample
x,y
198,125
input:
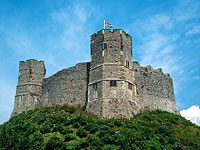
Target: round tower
x,y
111,90
29,88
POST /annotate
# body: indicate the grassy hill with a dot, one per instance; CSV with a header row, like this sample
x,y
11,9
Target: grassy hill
x,y
64,127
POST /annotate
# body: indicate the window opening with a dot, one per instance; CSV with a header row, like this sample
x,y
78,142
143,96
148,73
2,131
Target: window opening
x,y
105,45
130,86
127,63
113,83
101,45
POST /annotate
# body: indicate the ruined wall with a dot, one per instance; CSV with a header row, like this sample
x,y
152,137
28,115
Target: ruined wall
x,y
68,86
154,89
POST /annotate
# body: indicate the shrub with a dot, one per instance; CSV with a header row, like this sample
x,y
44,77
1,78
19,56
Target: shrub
x,y
45,129
54,143
36,141
94,129
94,140
76,125
81,132
88,126
107,139
69,137
84,144
110,147
66,131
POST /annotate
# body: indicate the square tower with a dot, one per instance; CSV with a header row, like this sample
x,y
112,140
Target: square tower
x,y
29,88
111,90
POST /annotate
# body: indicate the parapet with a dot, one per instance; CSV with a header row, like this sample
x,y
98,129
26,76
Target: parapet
x,y
31,71
109,31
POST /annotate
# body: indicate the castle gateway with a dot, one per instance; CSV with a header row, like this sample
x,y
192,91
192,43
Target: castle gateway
x,y
111,85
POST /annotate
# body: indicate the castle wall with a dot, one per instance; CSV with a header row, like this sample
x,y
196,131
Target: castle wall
x,y
154,89
95,74
111,85
68,86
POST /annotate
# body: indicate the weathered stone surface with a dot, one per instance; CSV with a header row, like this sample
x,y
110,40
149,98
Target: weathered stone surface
x,y
111,85
111,64
68,86
29,88
154,89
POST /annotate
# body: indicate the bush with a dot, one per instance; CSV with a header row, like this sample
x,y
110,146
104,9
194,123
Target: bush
x,y
54,143
94,140
88,126
66,131
77,145
45,129
94,129
107,139
36,141
81,133
76,125
110,147
69,137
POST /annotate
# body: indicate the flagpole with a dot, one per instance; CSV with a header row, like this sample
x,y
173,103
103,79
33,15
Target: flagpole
x,y
104,23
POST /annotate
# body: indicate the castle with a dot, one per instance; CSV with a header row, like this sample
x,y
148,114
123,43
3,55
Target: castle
x,y
111,85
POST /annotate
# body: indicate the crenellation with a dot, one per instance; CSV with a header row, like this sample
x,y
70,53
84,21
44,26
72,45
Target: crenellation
x,y
111,85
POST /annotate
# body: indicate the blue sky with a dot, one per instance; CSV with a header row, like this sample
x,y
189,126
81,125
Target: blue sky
x,y
165,34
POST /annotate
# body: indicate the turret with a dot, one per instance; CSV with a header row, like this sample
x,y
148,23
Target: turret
x,y
111,47
29,88
111,82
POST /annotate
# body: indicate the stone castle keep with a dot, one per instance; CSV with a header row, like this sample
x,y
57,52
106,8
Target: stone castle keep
x,y
111,85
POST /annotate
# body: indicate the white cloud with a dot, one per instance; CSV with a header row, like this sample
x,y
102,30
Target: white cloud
x,y
21,44
162,42
196,78
186,10
192,114
75,20
194,30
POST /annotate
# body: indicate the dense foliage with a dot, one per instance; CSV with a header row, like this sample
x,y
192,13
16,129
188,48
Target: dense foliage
x,y
63,127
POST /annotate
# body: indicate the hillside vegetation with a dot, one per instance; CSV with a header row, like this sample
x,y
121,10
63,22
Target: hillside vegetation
x,y
70,128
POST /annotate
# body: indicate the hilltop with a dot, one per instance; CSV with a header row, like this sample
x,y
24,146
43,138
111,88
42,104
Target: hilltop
x,y
64,127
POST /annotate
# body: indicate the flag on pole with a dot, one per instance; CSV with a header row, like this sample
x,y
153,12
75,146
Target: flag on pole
x,y
107,24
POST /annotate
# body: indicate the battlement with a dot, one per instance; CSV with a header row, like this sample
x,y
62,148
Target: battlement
x,y
31,71
109,31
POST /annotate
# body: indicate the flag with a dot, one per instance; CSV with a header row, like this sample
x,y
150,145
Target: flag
x,y
107,24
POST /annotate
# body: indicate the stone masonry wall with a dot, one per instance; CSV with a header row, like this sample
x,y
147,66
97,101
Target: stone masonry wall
x,y
29,88
68,86
111,65
136,88
154,89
